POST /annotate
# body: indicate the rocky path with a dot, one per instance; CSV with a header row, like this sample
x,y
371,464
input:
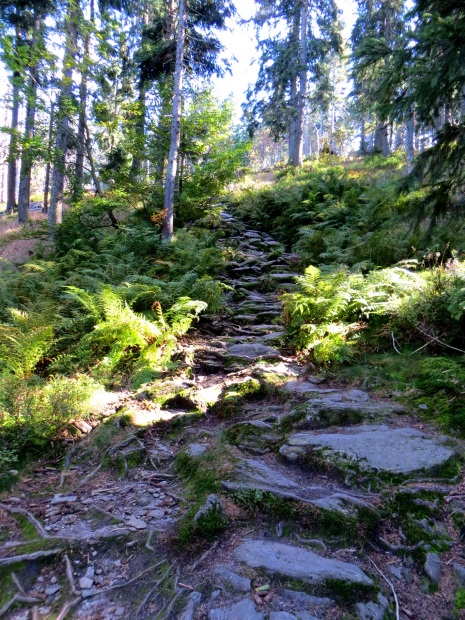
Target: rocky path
x,y
262,492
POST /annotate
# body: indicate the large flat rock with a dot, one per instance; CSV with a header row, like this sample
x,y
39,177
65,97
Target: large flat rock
x,y
295,562
253,351
380,448
244,610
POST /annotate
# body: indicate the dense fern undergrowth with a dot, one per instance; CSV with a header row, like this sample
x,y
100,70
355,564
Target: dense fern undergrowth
x,y
381,302
103,309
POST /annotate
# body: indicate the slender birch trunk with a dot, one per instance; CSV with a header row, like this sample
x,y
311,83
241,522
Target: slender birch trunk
x,y
175,134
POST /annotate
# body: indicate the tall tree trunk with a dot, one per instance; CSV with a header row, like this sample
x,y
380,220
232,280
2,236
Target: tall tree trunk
x,y
24,192
139,128
294,93
381,138
55,213
175,135
13,148
303,85
292,124
363,144
409,141
81,134
48,165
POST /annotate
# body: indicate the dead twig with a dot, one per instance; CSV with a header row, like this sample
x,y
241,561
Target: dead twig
x,y
29,557
204,555
448,346
30,517
395,343
69,575
391,586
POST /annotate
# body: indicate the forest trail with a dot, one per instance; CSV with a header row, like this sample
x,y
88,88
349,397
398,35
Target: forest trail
x,y
289,498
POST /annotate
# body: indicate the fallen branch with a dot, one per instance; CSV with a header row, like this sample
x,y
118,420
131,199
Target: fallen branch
x,y
174,599
395,343
29,557
69,575
448,346
17,583
171,605
66,608
150,592
30,517
206,554
391,586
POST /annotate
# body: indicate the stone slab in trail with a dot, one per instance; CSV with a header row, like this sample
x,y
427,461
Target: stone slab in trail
x,y
253,352
244,610
380,448
297,563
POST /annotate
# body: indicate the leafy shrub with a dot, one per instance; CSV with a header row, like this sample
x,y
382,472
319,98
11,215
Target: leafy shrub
x,y
327,316
36,411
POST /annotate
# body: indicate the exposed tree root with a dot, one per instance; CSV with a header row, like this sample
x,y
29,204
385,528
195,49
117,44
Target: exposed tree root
x,y
30,517
29,557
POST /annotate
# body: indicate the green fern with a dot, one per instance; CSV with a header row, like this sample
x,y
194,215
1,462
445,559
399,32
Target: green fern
x,y
23,343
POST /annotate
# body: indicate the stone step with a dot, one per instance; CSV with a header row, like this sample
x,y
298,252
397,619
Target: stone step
x,y
252,475
288,561
253,351
376,449
334,407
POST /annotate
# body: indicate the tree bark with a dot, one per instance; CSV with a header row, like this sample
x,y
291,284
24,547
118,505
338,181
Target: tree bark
x,y
303,85
81,134
409,141
48,166
381,138
13,147
55,213
294,93
175,134
137,161
24,192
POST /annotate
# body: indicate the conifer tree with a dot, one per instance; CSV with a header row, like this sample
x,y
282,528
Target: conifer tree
x,y
310,30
